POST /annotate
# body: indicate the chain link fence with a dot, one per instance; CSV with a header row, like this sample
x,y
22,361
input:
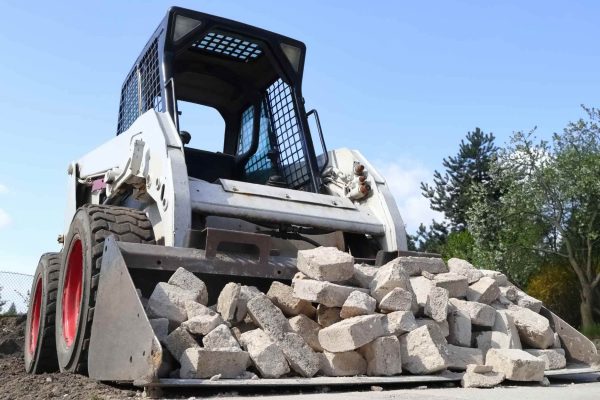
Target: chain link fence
x,y
14,292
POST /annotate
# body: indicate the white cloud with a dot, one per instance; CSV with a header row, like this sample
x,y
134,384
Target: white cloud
x,y
404,180
3,189
5,219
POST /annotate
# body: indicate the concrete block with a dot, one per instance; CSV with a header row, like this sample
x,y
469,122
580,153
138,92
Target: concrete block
x,y
482,340
199,363
526,301
485,290
556,344
482,380
301,358
363,275
282,296
186,280
308,329
499,277
509,293
479,369
352,333
160,326
399,322
417,265
383,356
421,287
534,330
195,309
436,306
326,264
460,357
326,293
246,293
358,303
459,328
327,316
553,358
348,363
455,284
268,317
265,354
388,277
464,268
228,301
168,301
481,314
220,338
516,365
202,324
424,351
397,300
442,325
504,332
178,341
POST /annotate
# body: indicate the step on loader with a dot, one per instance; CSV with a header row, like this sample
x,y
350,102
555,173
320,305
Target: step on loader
x,y
152,200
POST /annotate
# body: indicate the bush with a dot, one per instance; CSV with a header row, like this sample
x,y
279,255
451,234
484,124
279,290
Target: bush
x,y
557,286
459,245
592,331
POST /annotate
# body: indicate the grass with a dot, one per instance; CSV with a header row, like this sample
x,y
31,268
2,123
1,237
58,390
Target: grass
x,y
592,332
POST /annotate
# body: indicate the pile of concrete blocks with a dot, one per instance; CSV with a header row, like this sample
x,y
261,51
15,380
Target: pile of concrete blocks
x,y
413,315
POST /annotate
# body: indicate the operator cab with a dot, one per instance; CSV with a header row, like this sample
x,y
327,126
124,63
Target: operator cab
x,y
250,77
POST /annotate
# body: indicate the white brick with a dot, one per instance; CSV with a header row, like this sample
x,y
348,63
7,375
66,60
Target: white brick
x,y
363,275
397,300
534,330
455,284
383,356
202,324
268,317
199,363
358,303
220,338
481,314
437,304
326,293
460,357
265,354
351,333
326,264
399,322
168,301
388,277
282,296
485,290
464,268
516,365
228,301
348,363
308,329
504,332
178,341
459,327
186,280
424,351
327,316
553,358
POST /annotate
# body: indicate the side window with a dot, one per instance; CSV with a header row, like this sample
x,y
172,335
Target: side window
x,y
205,124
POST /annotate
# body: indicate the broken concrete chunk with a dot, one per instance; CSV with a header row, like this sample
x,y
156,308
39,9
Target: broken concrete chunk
x,y
504,332
308,329
418,265
246,293
348,363
268,317
168,301
499,277
421,287
526,301
481,314
556,344
482,380
436,306
397,300
302,359
534,330
482,340
516,365
479,369
265,354
509,292
484,291
186,280
352,333
363,275
460,357
459,328
399,322
358,303
327,316
464,268
220,338
442,326
199,363
160,326
383,356
326,264
553,358
178,341
424,351
202,324
194,309
326,293
228,301
282,296
455,284
388,277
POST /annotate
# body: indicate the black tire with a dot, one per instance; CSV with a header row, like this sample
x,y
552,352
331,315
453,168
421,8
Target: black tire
x,y
83,248
40,345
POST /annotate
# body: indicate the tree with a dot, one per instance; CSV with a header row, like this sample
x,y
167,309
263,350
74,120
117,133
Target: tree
x,y
450,193
550,205
12,310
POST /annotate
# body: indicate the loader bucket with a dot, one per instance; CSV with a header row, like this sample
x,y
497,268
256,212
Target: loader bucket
x,y
123,346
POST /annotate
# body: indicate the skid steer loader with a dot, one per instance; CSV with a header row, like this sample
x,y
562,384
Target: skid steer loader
x,y
152,199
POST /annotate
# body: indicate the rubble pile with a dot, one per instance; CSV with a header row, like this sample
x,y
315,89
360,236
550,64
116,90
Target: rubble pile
x,y
413,315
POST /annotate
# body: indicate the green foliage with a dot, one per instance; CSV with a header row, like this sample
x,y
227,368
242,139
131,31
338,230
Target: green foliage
x,y
556,285
431,239
592,331
459,245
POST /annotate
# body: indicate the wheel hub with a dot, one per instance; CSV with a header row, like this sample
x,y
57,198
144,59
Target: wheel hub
x,y
72,292
34,327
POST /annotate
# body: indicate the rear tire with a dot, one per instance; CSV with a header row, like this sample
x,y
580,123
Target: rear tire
x,y
40,344
80,273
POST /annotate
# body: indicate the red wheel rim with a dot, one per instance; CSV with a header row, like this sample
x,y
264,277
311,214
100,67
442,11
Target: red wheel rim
x,y
34,327
72,290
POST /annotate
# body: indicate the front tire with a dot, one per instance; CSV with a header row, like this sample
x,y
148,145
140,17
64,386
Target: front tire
x,y
80,273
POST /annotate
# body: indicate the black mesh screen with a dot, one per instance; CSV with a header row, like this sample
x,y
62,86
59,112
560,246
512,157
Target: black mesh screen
x,y
292,156
141,91
229,45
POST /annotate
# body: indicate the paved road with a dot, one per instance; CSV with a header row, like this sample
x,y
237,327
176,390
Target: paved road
x,y
582,387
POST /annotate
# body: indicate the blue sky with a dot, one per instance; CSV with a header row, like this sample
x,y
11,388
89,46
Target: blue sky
x,y
401,81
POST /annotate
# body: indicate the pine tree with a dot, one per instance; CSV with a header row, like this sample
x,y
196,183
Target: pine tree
x,y
12,310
